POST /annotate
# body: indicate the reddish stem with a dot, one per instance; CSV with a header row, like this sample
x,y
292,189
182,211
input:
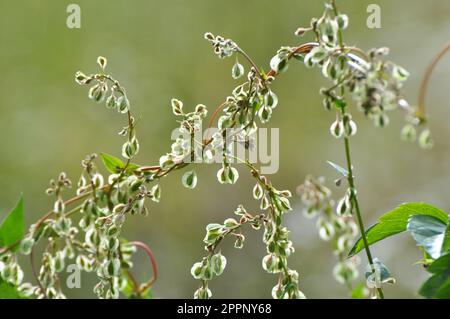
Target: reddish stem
x,y
150,255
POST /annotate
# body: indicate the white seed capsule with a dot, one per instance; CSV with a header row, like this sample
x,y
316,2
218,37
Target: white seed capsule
x,y
189,179
237,71
270,263
337,129
257,191
342,21
177,106
218,263
426,140
350,128
409,133
203,293
344,206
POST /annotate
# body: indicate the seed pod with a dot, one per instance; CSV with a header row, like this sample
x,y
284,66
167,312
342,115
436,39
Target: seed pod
x,y
189,179
155,193
27,290
344,206
112,268
381,120
345,272
283,204
59,206
270,263
26,245
130,148
264,203
97,180
257,191
337,129
82,262
102,61
113,230
207,273
279,63
113,244
317,55
230,223
209,36
271,100
166,161
326,229
342,21
123,104
221,176
344,243
196,270
218,263
201,110
426,140
203,293
177,107
96,92
81,78
58,261
111,102
350,127
278,291
237,71
265,114
409,133
239,243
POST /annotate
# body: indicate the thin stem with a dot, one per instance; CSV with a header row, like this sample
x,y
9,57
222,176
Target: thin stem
x,y
426,80
354,197
336,12
150,255
35,275
250,60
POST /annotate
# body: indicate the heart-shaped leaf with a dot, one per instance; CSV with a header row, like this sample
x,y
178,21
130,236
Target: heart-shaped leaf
x,y
429,233
396,221
12,229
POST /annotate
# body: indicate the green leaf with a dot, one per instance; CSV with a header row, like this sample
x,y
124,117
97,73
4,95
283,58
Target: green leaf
x,y
8,291
340,104
130,293
438,285
339,169
429,233
116,165
396,221
12,229
446,245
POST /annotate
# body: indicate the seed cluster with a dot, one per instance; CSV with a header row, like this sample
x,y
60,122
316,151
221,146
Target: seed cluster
x,y
335,224
273,204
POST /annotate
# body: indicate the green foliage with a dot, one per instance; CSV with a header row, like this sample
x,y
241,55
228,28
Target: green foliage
x,y
8,291
396,222
12,229
115,165
429,233
438,285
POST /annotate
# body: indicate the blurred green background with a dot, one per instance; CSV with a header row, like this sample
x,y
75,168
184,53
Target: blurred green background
x,y
156,49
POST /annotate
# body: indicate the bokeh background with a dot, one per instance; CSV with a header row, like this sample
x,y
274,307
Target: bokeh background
x,y
156,49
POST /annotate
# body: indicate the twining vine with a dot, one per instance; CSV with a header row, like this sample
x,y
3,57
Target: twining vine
x,y
104,203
